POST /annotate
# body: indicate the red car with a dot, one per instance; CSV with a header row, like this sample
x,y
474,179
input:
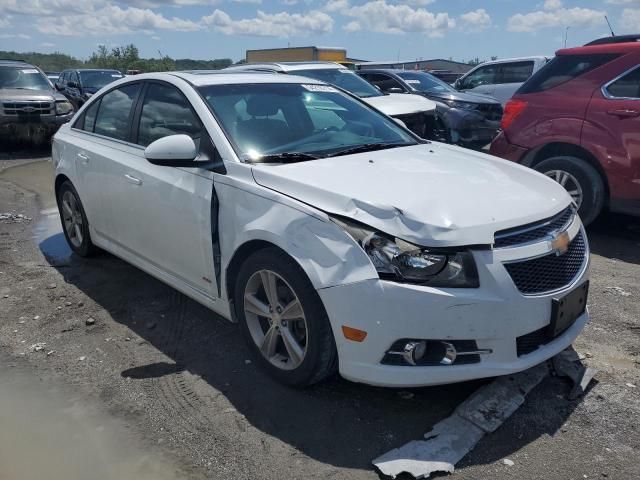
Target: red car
x,y
577,120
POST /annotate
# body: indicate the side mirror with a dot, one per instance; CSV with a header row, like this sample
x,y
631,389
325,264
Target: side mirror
x,y
400,122
395,90
457,84
172,151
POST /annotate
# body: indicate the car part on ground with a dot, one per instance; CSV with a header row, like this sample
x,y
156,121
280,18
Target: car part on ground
x,y
577,120
418,114
30,108
401,261
465,119
500,78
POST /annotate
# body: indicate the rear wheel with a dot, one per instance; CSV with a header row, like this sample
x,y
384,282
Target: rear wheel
x,y
284,320
74,221
581,181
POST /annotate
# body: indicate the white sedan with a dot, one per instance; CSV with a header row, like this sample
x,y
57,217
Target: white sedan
x,y
338,240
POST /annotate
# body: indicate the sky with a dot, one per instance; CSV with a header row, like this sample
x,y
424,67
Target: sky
x,y
369,29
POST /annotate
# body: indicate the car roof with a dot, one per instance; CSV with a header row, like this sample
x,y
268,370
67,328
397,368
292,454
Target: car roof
x,y
514,59
288,66
92,70
620,47
15,63
200,78
392,71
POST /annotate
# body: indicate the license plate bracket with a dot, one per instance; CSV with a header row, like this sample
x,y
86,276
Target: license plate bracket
x,y
566,310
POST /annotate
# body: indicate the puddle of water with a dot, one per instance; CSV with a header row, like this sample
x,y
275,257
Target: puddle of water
x,y
45,435
37,177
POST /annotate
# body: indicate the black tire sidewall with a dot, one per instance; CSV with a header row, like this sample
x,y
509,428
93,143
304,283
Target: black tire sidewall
x,y
87,248
593,191
319,361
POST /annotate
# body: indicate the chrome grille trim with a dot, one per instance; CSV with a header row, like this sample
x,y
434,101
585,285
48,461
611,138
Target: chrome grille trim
x,y
27,108
535,232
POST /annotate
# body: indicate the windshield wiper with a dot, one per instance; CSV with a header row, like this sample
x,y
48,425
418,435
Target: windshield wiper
x,y
368,147
286,157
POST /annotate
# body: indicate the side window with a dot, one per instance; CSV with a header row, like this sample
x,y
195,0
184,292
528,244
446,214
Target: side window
x,y
114,112
383,82
627,86
90,117
73,77
515,72
63,78
165,111
482,76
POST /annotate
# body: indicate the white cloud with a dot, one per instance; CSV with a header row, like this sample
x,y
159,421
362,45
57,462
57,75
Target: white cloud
x,y
552,4
281,24
630,20
475,21
623,2
379,16
573,17
113,20
47,44
288,2
336,5
4,23
255,2
15,35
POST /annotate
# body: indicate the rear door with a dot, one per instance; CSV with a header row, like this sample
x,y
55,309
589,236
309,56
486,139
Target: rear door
x,y
615,112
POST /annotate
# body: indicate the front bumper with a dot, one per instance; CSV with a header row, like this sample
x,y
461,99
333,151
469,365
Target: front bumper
x,y
493,315
469,126
49,123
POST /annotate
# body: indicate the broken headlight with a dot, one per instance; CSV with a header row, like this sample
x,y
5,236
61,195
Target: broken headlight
x,y
395,259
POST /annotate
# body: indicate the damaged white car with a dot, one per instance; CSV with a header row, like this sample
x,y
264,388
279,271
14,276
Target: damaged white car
x,y
339,240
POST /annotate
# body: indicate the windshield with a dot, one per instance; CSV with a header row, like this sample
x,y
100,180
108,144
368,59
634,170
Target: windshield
x,y
24,78
342,78
98,79
423,82
316,120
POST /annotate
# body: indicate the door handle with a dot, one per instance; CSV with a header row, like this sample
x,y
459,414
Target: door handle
x,y
134,180
624,112
83,157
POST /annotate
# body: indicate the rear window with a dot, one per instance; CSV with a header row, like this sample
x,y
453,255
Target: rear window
x,y
563,68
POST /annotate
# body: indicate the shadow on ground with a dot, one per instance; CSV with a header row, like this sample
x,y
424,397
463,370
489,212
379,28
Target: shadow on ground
x,y
616,236
14,149
328,422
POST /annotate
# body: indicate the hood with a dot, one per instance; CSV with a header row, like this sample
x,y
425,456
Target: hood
x,y
400,103
20,94
461,97
430,194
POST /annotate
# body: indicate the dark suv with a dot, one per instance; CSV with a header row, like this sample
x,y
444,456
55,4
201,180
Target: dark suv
x,y
78,85
577,120
469,119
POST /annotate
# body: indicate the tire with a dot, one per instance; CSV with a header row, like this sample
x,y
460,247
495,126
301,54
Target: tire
x,y
311,331
587,178
75,225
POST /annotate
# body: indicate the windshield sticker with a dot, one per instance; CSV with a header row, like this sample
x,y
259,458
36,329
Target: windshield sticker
x,y
319,88
30,70
412,81
116,75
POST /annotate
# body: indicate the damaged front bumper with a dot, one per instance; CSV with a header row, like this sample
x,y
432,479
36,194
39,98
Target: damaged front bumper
x,y
28,126
493,318
469,126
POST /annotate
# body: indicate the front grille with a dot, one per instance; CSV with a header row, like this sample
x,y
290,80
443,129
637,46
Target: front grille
x,y
534,231
27,108
532,341
491,111
551,272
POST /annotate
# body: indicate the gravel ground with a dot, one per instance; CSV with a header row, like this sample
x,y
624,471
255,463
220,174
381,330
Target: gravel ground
x,y
179,379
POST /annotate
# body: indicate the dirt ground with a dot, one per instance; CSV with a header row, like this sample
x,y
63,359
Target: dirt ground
x,y
109,359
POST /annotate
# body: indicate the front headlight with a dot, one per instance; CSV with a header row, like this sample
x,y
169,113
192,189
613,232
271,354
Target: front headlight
x,y
63,107
398,260
461,105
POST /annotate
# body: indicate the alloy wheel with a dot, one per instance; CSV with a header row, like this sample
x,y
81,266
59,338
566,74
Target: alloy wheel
x,y
276,319
569,182
72,218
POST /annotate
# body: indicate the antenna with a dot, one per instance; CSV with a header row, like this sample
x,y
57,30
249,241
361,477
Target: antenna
x,y
610,29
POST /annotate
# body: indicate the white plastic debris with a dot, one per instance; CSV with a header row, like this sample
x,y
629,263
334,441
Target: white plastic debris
x,y
452,438
508,462
36,347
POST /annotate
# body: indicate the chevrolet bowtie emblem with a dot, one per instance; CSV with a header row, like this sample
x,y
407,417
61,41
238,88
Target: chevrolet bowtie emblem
x,y
560,243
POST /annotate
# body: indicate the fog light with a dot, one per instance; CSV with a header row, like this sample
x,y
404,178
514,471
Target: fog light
x,y
414,351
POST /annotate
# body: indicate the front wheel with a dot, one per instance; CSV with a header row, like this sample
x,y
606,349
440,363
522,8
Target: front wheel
x,y
283,319
581,181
